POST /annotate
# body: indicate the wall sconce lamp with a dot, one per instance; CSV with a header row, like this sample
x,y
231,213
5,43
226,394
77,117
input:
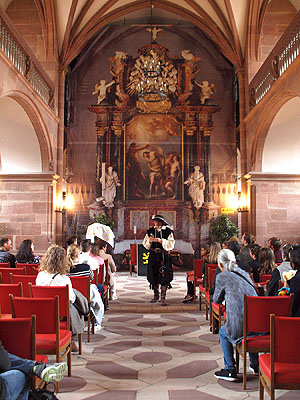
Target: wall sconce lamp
x,y
64,202
242,204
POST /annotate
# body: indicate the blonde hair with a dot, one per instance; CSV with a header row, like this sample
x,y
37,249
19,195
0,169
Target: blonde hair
x,y
73,253
55,261
213,253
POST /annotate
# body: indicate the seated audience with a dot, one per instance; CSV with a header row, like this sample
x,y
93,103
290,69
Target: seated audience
x,y
77,269
71,240
112,269
254,264
275,244
53,272
277,274
247,241
86,257
266,261
236,247
231,285
190,275
25,253
15,373
293,279
5,255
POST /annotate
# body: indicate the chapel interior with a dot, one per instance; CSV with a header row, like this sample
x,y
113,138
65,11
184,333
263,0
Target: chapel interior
x,y
75,100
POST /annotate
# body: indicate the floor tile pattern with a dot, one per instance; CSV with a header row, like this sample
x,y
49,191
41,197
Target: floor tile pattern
x,y
146,351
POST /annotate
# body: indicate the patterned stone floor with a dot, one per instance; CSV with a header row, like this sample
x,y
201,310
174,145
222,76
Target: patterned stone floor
x,y
148,352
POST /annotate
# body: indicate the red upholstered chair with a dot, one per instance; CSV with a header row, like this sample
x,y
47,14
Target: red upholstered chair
x,y
281,368
196,277
50,339
5,290
211,270
64,304
83,283
96,276
263,278
133,257
7,271
203,288
24,279
22,342
31,269
257,312
4,265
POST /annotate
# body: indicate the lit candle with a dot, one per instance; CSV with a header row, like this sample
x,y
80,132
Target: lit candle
x,y
134,229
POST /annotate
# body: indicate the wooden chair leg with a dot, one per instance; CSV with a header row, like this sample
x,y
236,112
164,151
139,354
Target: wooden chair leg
x,y
69,358
89,328
79,343
237,359
261,388
245,371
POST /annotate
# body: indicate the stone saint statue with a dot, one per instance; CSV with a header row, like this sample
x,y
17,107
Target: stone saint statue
x,y
196,184
100,90
109,187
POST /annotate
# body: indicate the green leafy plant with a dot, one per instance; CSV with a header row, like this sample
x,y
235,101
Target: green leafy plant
x,y
223,229
103,219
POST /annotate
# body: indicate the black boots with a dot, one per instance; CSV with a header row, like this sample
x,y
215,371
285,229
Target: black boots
x,y
156,294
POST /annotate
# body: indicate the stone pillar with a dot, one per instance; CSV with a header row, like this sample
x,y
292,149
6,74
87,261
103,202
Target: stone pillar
x,y
242,105
59,217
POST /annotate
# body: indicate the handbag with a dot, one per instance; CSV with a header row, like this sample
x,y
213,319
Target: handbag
x,y
43,394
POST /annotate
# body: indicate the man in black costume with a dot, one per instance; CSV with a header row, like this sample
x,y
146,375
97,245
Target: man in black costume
x,y
159,240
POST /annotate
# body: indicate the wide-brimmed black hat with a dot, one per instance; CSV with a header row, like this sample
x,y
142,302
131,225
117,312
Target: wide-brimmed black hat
x,y
159,218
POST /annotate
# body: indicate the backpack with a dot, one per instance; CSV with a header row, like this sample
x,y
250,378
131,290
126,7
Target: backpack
x,y
42,394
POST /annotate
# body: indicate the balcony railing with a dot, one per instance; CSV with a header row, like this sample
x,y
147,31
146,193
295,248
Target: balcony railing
x,y
19,54
281,57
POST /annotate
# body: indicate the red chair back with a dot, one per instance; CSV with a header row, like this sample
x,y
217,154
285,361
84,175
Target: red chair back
x,y
24,279
4,265
213,266
7,271
257,311
101,274
211,274
81,283
264,278
18,336
133,253
31,269
5,290
198,269
50,292
285,333
45,309
96,276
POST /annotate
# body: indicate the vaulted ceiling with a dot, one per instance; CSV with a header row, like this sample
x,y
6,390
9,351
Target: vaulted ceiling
x,y
231,24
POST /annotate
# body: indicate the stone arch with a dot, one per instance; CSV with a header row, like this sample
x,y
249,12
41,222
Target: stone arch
x,y
38,124
265,120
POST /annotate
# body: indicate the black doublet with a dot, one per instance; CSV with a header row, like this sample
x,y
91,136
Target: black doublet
x,y
159,265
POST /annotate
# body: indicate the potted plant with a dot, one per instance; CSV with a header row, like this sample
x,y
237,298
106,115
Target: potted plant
x,y
222,228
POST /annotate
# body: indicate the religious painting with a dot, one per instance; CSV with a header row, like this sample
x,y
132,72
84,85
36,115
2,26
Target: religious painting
x,y
153,158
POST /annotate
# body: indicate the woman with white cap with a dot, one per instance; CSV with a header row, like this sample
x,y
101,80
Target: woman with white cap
x,y
159,240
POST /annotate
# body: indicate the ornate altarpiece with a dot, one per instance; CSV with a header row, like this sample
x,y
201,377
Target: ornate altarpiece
x,y
134,137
